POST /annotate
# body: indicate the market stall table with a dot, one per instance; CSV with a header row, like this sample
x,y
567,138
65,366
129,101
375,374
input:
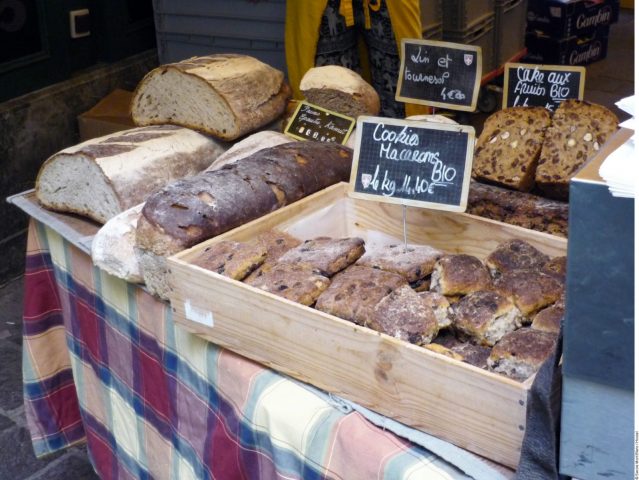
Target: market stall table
x,y
104,362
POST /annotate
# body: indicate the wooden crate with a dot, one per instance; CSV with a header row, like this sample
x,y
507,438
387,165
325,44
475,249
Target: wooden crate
x,y
478,410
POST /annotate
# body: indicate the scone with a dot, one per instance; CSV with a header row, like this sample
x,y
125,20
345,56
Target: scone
x,y
531,290
459,275
485,317
508,147
549,319
402,314
514,255
299,282
328,255
520,354
231,259
577,132
440,307
354,292
413,263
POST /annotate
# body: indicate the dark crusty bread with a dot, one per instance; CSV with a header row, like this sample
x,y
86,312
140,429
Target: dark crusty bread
x,y
485,317
354,292
459,275
299,282
190,211
414,263
327,255
531,290
578,131
402,314
518,208
520,353
224,95
231,259
508,147
514,254
549,319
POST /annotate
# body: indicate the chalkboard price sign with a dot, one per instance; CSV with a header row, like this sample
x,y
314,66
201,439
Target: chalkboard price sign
x,y
408,162
310,122
439,74
527,85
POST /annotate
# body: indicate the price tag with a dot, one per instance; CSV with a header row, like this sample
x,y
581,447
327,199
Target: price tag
x,y
423,164
528,85
310,122
439,74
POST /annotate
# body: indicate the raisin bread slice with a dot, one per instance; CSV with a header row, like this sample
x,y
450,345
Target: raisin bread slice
x,y
577,132
508,148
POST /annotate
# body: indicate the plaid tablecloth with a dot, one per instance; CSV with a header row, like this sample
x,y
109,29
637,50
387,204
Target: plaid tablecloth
x,y
104,362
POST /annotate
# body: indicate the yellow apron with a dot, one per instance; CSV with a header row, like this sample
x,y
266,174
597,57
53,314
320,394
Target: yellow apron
x,y
303,19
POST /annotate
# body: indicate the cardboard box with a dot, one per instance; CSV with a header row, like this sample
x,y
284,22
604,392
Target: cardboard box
x,y
570,51
574,18
478,410
111,114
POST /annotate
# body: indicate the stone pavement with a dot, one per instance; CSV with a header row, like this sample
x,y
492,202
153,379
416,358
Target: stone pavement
x,y
17,460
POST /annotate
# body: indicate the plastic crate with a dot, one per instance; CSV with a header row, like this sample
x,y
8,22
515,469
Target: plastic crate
x,y
510,29
568,51
435,32
462,15
577,18
481,34
431,14
189,28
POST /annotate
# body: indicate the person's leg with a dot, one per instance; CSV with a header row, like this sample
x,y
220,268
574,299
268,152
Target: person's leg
x,y
383,56
337,44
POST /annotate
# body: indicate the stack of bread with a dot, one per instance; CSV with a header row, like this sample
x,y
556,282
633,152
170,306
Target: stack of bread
x,y
502,314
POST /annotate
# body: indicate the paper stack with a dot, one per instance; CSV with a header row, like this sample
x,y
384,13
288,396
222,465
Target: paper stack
x,y
620,170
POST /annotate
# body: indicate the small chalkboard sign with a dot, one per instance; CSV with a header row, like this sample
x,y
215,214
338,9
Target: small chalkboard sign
x,y
439,74
310,122
409,162
528,85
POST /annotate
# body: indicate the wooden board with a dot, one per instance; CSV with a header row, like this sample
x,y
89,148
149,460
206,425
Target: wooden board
x,y
475,409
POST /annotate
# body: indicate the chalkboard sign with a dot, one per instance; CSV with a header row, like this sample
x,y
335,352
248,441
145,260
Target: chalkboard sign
x,y
424,164
310,122
439,74
527,85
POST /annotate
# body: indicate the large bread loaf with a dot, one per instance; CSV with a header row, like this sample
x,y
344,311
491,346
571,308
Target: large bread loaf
x,y
226,96
248,146
105,176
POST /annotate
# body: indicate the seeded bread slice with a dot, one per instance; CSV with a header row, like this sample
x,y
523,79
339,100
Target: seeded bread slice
x,y
508,148
578,131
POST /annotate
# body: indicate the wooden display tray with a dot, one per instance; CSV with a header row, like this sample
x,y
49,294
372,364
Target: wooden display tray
x,y
475,409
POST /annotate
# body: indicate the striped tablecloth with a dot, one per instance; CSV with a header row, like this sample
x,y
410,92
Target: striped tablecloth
x,y
104,362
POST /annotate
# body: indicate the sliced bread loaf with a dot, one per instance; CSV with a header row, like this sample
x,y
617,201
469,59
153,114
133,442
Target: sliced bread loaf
x,y
340,90
508,148
105,176
578,131
226,96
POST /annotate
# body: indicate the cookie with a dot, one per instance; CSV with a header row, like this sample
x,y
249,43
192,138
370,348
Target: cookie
x,y
328,255
354,292
276,244
508,147
519,354
549,319
531,290
413,262
514,255
472,354
404,315
556,268
577,132
299,282
440,307
459,275
485,317
447,352
231,259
